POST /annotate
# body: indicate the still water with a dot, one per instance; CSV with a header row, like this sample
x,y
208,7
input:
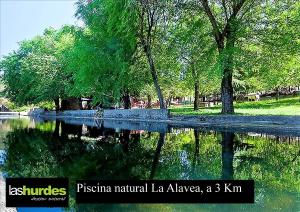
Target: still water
x,y
37,148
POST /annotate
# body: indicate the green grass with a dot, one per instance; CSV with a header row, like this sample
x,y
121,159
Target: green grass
x,y
284,106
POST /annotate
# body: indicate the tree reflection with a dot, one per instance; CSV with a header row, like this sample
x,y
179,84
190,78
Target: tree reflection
x,y
155,163
56,130
73,130
196,153
28,155
227,155
124,140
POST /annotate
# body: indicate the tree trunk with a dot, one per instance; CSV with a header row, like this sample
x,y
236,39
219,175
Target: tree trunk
x,y
226,52
277,93
154,77
227,92
71,103
149,101
196,101
227,64
56,102
170,101
126,101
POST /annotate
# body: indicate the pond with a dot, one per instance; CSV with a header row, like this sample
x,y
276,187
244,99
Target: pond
x,y
91,150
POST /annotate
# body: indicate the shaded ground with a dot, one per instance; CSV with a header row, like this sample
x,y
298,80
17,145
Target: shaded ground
x,y
284,106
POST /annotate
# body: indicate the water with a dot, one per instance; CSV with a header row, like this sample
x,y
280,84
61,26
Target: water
x,y
37,148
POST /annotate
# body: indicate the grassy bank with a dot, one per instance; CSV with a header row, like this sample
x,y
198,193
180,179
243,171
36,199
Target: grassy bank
x,y
284,106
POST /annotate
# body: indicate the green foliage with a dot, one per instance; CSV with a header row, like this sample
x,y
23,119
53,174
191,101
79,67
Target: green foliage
x,y
104,51
195,51
105,59
35,73
268,46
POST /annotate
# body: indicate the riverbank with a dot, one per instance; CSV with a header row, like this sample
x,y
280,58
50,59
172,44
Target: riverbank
x,y
289,106
161,120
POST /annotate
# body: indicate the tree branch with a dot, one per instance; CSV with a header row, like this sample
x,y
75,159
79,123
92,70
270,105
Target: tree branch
x,y
225,9
236,8
218,35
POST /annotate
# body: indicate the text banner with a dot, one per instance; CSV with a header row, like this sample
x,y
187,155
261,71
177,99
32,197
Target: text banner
x,y
163,191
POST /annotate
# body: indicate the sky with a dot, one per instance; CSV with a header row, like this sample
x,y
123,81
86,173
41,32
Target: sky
x,y
24,19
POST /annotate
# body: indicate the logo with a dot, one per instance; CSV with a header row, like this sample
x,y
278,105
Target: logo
x,y
37,192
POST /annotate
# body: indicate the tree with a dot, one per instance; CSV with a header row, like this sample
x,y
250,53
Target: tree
x,y
225,27
279,38
35,73
104,52
128,48
10,66
149,14
195,50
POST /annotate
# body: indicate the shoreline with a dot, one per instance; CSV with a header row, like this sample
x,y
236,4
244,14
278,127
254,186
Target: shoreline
x,y
162,120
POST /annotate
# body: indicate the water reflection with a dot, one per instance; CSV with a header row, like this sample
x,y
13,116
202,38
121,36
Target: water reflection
x,y
59,149
196,154
227,155
160,143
